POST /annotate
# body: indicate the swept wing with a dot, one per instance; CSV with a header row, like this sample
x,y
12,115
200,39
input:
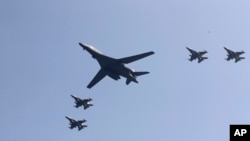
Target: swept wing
x,y
99,76
130,59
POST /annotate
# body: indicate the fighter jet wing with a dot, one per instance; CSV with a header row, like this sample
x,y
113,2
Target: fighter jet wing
x,y
85,106
99,76
82,121
130,59
80,127
191,58
237,59
239,53
199,60
203,52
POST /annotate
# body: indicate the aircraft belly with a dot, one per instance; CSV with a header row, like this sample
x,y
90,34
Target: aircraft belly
x,y
115,69
114,76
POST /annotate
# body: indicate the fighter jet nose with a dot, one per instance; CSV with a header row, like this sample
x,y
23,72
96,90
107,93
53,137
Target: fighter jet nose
x,y
82,45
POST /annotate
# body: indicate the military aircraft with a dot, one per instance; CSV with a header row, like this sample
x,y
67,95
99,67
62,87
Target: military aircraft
x,y
82,102
76,123
196,55
114,68
234,55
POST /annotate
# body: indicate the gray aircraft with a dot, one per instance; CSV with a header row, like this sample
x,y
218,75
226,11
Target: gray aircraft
x,y
114,68
76,123
234,55
196,55
82,102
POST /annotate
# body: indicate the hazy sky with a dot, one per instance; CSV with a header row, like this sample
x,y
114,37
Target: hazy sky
x,y
42,65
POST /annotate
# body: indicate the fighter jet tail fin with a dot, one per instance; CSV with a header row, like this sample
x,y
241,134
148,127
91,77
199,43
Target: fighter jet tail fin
x,y
80,128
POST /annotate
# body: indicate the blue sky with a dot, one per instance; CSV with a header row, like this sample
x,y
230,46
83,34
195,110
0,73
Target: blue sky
x,y
42,65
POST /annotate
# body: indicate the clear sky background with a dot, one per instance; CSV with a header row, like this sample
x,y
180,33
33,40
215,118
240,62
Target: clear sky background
x,y
42,65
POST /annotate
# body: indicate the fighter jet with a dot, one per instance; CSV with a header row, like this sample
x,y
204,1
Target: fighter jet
x,y
234,55
114,68
82,102
196,55
76,123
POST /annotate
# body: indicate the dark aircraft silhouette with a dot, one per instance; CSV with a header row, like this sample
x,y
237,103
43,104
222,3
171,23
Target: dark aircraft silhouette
x,y
234,55
82,102
114,68
196,55
76,123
